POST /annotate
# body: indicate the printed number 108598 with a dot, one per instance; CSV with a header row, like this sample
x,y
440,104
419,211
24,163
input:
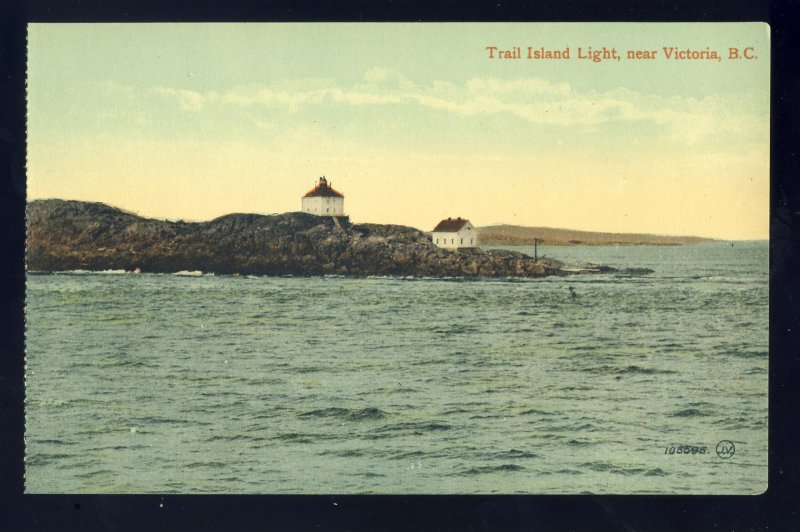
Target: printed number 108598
x,y
685,449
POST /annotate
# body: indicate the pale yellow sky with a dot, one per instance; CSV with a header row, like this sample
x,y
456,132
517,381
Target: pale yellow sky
x,y
196,121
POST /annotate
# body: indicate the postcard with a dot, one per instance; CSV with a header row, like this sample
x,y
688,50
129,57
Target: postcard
x,y
390,258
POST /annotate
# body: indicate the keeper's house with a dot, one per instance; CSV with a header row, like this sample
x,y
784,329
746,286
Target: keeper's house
x,y
322,200
455,233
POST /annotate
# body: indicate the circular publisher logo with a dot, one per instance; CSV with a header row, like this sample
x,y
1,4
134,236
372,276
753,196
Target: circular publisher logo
x,y
726,449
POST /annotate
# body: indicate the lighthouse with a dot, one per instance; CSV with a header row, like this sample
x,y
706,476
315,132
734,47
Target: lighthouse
x,y
323,200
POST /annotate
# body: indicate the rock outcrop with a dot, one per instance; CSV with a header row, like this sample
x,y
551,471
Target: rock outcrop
x,y
73,235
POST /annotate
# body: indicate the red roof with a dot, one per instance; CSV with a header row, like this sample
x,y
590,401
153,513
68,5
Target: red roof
x,y
451,225
324,191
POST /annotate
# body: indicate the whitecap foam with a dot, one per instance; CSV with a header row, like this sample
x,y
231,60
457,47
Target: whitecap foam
x,y
189,273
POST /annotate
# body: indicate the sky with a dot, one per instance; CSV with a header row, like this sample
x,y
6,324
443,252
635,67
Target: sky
x,y
411,122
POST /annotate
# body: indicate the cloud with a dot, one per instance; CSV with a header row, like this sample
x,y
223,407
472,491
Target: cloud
x,y
188,100
535,100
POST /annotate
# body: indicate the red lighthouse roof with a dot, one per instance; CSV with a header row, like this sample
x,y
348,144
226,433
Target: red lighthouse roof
x,y
323,189
451,225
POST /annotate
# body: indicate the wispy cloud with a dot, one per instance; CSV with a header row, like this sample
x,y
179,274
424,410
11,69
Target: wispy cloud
x,y
188,100
535,100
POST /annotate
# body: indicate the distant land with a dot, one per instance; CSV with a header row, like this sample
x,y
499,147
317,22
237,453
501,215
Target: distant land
x,y
516,235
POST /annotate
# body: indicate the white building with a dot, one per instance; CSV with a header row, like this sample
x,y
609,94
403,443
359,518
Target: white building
x,y
322,200
455,233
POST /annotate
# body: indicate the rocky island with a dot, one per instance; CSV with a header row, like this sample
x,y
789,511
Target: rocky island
x,y
67,235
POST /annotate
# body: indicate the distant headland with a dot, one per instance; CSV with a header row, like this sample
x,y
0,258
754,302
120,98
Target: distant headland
x,y
65,235
516,235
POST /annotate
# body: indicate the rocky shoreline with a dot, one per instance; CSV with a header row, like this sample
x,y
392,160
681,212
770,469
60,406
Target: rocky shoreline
x,y
67,235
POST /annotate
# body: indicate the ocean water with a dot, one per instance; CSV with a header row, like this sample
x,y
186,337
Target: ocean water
x,y
139,383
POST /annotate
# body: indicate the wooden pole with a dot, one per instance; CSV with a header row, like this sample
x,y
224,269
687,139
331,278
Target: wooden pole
x,y
535,250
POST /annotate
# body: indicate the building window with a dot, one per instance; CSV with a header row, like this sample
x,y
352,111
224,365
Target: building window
x,y
452,241
437,240
470,241
462,240
327,210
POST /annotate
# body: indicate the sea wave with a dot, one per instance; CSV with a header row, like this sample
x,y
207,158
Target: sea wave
x,y
189,273
91,272
346,413
502,468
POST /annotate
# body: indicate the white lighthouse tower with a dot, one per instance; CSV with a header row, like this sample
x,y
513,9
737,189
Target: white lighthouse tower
x,y
323,200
